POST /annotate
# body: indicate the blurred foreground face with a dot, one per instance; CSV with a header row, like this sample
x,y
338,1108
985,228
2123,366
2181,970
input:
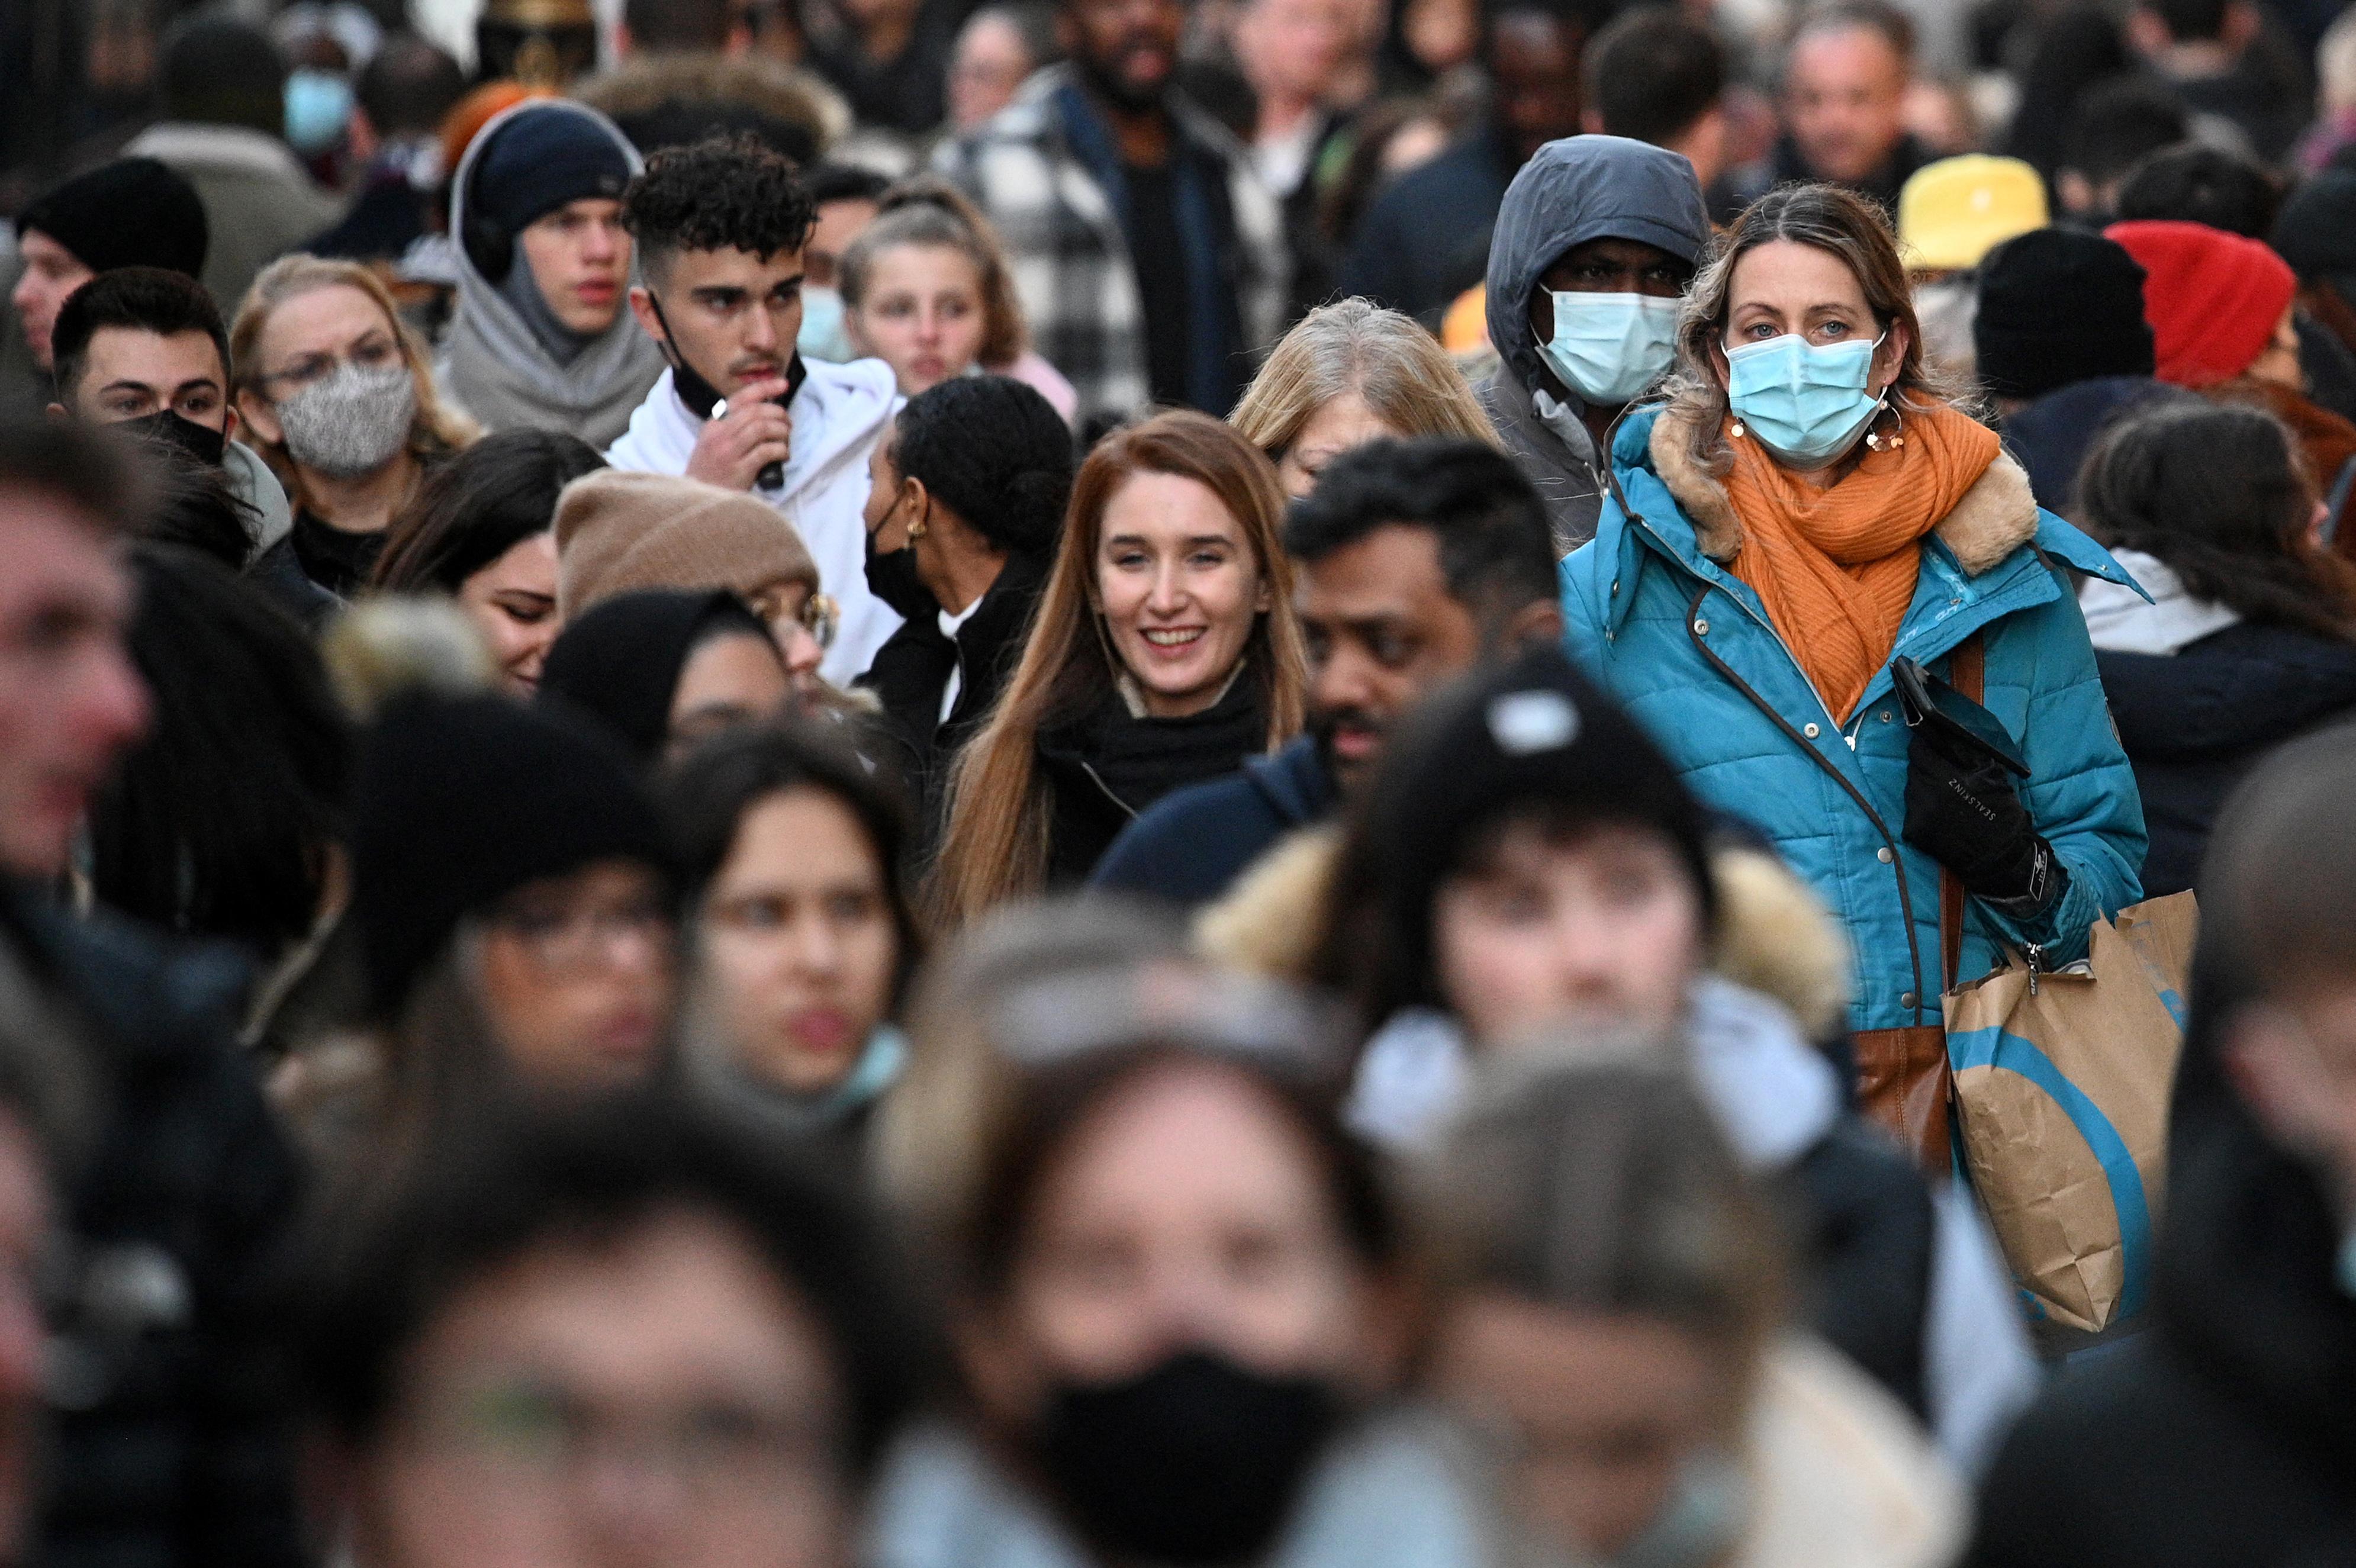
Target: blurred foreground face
x,y
1533,932
575,976
24,1234
652,1400
799,941
1845,99
2295,1064
69,700
1596,1414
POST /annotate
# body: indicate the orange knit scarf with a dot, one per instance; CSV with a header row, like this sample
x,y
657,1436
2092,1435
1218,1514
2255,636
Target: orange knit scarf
x,y
1836,567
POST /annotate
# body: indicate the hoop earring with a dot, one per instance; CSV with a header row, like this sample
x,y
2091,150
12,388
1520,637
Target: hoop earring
x,y
1876,441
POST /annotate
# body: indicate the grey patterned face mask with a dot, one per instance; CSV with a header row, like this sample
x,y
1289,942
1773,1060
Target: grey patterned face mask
x,y
352,423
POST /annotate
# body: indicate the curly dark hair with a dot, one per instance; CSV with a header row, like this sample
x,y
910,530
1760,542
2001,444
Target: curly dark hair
x,y
723,193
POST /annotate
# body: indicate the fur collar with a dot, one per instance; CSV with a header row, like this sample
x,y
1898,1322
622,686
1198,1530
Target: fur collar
x,y
1996,515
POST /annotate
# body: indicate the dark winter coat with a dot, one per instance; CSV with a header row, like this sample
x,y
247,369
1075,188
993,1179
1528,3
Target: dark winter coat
x,y
2052,434
180,1450
2194,723
1107,768
1193,843
1425,239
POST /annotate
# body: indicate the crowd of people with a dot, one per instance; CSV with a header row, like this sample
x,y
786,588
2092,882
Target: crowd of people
x,y
1170,782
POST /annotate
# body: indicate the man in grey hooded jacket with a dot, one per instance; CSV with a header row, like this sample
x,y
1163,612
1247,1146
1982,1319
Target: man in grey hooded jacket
x,y
1597,239
542,338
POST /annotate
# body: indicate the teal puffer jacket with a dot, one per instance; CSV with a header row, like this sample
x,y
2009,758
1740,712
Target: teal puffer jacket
x,y
1688,648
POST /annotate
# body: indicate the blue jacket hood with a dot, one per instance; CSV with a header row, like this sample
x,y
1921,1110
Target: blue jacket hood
x,y
1572,191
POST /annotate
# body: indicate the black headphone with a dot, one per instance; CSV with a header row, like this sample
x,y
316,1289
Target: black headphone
x,y
491,247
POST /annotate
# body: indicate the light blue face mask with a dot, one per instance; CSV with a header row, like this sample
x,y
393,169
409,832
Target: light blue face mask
x,y
318,109
1700,1522
1804,403
1610,347
823,335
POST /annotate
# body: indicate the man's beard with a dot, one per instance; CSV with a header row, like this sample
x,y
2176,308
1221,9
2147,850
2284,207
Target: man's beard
x,y
1107,82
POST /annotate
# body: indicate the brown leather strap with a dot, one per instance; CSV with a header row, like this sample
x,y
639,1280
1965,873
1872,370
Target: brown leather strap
x,y
1968,673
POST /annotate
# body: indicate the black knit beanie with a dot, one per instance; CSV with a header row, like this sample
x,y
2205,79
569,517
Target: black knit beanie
x,y
463,800
541,156
1534,733
2058,306
620,663
132,212
994,451
2317,230
218,70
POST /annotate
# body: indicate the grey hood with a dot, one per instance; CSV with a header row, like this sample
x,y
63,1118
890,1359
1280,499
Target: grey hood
x,y
499,371
1574,190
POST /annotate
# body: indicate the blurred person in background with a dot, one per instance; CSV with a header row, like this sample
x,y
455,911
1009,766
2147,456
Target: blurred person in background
x,y
1297,57
618,532
2334,126
624,1333
339,396
685,70
2069,58
1950,215
401,96
1177,1292
968,505
889,58
134,212
925,288
223,91
1616,1318
2316,233
2060,343
1656,75
2223,1433
541,338
719,227
844,200
801,934
1165,650
1412,561
45,1113
664,669
482,530
1596,240
1348,373
1159,289
2209,55
2112,128
2249,638
1844,83
1425,239
997,50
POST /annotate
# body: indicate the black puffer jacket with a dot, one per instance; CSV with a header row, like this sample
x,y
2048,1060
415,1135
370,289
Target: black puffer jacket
x,y
2195,721
177,1447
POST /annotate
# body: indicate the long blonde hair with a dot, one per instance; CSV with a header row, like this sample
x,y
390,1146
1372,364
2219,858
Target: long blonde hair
x,y
1354,345
436,431
995,846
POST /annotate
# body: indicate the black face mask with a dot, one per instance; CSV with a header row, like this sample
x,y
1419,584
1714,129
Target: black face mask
x,y
702,398
1196,1461
201,442
891,577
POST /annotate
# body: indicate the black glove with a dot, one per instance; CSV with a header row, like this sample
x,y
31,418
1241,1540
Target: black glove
x,y
1967,816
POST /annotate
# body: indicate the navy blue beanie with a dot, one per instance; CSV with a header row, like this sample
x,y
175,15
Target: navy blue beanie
x,y
542,156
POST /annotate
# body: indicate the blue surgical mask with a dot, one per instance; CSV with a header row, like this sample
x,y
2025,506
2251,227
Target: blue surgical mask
x,y
318,109
1610,347
822,336
1805,403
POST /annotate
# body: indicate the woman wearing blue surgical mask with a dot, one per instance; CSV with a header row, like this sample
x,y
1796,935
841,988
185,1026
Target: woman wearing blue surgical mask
x,y
1807,511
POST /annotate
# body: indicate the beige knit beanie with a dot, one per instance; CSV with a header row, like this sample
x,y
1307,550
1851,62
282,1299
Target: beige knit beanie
x,y
617,532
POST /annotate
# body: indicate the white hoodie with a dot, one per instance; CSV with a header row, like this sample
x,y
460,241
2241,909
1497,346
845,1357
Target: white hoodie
x,y
837,415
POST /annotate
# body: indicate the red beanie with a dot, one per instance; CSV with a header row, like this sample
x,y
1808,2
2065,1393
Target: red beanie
x,y
2213,299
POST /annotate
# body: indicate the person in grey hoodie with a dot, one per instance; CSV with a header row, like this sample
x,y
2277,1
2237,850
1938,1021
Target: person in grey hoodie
x,y
542,337
1597,239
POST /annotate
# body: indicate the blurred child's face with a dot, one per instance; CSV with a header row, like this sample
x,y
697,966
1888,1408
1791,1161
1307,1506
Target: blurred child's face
x,y
1536,931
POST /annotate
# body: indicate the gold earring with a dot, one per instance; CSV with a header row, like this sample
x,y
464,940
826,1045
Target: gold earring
x,y
917,530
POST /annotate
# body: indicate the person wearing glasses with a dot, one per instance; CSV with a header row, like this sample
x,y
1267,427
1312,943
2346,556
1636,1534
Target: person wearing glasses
x,y
720,228
339,396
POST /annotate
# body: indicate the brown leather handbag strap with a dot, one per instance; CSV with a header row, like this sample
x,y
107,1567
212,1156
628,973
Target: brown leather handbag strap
x,y
1968,673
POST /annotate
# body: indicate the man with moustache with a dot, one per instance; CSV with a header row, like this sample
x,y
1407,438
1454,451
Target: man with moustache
x,y
1413,561
1150,259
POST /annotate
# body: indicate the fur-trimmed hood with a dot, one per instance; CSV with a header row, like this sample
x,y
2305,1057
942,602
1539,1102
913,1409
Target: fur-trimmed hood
x,y
1996,515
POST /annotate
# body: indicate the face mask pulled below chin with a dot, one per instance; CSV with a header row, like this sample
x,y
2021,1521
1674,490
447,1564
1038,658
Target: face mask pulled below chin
x,y
1806,404
823,335
1608,348
351,424
201,442
1195,1461
891,577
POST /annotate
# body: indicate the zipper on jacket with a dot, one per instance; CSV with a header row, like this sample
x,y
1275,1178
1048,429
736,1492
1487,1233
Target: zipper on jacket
x,y
1120,805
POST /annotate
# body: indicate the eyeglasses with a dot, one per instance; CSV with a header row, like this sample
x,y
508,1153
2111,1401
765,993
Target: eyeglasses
x,y
307,370
819,616
576,941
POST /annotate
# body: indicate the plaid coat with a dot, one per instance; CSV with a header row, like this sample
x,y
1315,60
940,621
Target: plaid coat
x,y
1070,259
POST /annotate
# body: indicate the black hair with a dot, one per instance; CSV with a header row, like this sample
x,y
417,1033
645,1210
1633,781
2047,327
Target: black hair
x,y
141,299
2118,124
995,452
407,87
221,822
1895,27
2217,493
720,193
833,181
1496,548
2194,184
1653,73
197,508
687,25
374,1274
80,465
705,798
2190,21
2080,46
478,506
220,71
